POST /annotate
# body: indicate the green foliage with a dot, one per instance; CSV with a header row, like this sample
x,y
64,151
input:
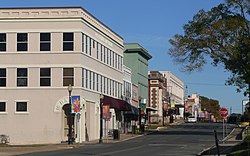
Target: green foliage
x,y
210,105
221,34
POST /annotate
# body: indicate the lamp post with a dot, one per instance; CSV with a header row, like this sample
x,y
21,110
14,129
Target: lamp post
x,y
163,113
139,109
70,88
101,131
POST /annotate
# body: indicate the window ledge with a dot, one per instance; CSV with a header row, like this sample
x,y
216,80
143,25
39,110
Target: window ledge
x,y
22,113
3,113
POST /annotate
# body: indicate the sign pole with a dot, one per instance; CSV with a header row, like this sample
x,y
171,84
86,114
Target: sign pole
x,y
223,131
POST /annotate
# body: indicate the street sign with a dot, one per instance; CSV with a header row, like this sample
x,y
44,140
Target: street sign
x,y
223,112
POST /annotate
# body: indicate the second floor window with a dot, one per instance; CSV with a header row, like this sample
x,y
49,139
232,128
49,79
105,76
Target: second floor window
x,y
2,77
2,107
2,42
22,41
21,107
68,76
22,77
45,77
68,41
45,41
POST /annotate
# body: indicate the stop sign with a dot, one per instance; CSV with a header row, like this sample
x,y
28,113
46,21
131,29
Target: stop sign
x,y
223,112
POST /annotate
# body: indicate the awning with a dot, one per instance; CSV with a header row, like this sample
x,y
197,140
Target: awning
x,y
149,109
133,111
116,103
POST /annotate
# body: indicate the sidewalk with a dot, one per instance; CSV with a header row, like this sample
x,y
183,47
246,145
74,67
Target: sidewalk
x,y
24,149
225,145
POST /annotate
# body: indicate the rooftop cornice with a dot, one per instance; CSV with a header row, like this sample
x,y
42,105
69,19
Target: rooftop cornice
x,y
135,47
56,12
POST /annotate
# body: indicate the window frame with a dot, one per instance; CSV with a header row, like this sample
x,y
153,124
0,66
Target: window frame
x,y
67,42
45,42
5,106
66,77
22,77
45,77
3,43
3,77
22,42
21,101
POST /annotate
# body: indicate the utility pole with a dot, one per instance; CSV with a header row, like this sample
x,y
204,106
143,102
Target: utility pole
x,y
185,102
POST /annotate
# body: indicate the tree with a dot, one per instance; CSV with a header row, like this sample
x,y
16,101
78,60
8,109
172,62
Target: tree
x,y
210,105
221,34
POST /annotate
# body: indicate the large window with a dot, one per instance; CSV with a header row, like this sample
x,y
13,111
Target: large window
x,y
68,41
22,41
2,42
22,77
2,106
90,46
90,79
2,77
83,42
87,78
97,82
68,76
87,46
101,51
83,77
104,57
21,107
45,77
45,41
94,76
97,50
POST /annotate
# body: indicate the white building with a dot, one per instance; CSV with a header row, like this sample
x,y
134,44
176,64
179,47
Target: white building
x,y
175,88
42,51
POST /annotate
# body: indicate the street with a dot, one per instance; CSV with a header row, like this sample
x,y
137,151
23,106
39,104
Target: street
x,y
185,139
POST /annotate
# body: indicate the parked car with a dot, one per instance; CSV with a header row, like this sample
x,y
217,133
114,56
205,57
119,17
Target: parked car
x,y
192,119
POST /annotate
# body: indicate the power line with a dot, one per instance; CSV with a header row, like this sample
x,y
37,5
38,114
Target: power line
x,y
207,84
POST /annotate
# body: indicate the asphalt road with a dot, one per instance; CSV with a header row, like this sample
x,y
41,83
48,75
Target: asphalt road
x,y
185,139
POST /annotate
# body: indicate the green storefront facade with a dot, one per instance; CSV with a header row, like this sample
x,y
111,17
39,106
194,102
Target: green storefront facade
x,y
136,58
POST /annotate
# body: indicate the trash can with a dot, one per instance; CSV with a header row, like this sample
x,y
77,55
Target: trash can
x,y
116,134
133,129
171,118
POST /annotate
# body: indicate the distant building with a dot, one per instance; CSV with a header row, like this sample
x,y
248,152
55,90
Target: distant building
x,y
43,50
175,89
158,95
136,58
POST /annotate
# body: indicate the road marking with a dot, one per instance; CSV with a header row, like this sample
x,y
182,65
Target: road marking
x,y
123,150
175,145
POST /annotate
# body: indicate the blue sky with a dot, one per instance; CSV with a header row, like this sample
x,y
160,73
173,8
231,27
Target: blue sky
x,y
152,23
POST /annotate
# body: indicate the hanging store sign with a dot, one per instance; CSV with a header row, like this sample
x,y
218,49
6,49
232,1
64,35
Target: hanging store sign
x,y
106,112
75,104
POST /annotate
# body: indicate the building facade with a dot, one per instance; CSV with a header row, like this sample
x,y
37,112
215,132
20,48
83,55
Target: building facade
x,y
43,51
175,89
136,58
158,95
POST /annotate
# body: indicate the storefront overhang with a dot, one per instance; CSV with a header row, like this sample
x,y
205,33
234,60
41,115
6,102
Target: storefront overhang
x,y
133,111
179,105
149,109
116,103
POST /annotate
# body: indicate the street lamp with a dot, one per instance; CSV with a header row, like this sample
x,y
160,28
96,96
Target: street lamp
x,y
163,113
101,103
70,88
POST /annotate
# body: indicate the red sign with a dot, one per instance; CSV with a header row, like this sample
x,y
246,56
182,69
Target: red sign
x,y
105,112
223,112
